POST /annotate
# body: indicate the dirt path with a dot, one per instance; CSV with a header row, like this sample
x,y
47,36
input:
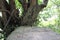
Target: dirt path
x,y
33,33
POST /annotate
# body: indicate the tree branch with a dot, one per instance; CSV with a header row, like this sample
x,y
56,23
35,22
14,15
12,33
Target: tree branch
x,y
3,10
21,1
9,20
2,6
7,30
32,13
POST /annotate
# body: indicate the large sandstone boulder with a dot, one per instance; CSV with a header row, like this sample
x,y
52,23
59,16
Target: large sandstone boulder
x,y
33,33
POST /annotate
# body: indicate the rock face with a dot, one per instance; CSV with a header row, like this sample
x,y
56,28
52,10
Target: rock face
x,y
33,33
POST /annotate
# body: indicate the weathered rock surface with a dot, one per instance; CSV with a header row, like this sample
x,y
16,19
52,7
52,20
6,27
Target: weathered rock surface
x,y
33,33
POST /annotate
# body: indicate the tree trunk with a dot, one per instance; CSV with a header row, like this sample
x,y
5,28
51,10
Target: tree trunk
x,y
10,14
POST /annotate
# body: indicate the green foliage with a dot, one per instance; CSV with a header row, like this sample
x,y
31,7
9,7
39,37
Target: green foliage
x,y
19,6
50,16
40,1
1,36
